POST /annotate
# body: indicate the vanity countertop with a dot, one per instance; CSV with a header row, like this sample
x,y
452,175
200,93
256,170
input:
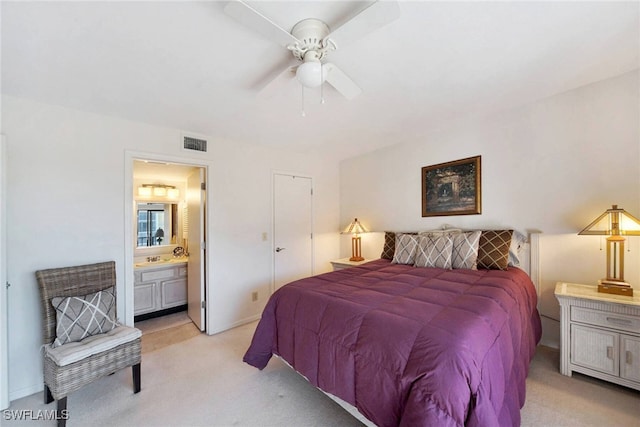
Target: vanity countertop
x,y
164,261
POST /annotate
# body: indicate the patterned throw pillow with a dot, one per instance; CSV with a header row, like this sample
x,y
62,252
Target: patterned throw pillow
x,y
84,316
493,252
465,249
405,252
434,251
389,247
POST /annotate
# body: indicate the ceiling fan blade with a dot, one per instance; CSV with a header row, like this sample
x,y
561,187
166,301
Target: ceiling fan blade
x,y
374,16
251,18
341,82
276,84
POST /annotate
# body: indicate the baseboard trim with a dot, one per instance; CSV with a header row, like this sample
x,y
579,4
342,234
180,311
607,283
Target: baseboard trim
x,y
25,391
235,324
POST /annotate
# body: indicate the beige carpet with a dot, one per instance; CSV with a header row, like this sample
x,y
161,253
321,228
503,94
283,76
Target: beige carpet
x,y
163,322
163,331
202,381
153,341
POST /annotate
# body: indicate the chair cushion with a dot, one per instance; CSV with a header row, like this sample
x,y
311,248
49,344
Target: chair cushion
x,y
73,351
79,317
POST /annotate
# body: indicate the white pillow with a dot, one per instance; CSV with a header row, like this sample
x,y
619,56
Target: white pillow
x,y
405,252
518,241
434,251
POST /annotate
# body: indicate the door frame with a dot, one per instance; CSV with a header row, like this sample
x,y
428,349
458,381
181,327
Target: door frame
x,y
4,294
129,207
273,224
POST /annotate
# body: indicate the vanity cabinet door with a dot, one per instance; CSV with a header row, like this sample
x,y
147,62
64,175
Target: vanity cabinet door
x,y
174,293
145,298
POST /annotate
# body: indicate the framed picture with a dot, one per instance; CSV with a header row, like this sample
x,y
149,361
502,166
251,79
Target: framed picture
x,y
452,188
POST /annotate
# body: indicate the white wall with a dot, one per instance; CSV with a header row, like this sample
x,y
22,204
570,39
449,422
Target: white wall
x,y
553,165
66,202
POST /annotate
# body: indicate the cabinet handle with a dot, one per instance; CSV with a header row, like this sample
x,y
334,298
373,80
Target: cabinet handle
x,y
629,357
617,320
610,352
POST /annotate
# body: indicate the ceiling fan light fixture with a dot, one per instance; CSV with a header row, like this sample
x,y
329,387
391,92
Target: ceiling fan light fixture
x,y
310,74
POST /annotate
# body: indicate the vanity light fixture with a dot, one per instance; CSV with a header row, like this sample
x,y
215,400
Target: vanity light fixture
x,y
158,190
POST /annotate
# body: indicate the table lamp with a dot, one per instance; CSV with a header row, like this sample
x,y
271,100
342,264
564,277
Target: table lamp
x,y
355,227
615,223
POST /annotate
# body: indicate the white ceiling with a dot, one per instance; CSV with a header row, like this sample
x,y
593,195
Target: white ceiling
x,y
187,65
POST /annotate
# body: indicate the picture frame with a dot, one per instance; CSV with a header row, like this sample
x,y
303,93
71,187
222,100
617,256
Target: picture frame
x,y
452,188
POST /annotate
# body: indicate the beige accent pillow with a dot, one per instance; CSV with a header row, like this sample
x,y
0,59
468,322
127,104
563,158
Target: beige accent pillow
x,y
83,316
434,251
406,245
465,249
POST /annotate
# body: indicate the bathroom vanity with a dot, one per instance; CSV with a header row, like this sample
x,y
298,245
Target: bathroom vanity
x,y
160,285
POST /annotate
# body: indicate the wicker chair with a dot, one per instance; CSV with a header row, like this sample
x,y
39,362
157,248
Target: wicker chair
x,y
99,355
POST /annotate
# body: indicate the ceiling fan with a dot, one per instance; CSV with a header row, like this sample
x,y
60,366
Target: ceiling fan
x,y
310,40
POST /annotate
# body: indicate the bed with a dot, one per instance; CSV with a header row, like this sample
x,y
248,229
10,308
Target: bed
x,y
406,345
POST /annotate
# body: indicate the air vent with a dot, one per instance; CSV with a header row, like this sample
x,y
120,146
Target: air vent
x,y
194,144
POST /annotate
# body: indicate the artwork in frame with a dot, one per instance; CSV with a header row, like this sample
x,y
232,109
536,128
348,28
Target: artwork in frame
x,y
452,188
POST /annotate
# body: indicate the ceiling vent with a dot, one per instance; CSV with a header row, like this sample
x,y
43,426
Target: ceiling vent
x,y
193,143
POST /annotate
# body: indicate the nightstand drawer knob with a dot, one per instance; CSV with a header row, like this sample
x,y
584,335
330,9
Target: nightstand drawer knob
x,y
629,358
610,352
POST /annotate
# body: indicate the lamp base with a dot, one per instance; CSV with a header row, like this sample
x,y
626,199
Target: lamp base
x,y
615,287
356,253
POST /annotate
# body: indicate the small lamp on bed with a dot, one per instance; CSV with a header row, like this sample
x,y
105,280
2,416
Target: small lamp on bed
x,y
355,227
615,223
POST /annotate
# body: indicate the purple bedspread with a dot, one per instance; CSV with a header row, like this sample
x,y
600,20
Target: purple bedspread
x,y
409,346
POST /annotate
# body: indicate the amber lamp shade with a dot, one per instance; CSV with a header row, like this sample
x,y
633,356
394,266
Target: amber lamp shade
x,y
615,223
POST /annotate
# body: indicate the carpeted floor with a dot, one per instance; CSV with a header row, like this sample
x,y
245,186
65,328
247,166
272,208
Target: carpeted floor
x,y
202,381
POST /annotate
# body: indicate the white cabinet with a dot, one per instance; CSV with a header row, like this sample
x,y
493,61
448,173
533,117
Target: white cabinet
x,y
159,287
599,334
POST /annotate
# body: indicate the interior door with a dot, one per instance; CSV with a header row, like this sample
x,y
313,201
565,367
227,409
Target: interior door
x,y
292,229
4,330
196,247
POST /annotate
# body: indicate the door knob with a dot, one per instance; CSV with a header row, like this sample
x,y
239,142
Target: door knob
x,y
280,249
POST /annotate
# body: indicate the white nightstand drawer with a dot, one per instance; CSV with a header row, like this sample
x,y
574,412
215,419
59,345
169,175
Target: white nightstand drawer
x,y
617,321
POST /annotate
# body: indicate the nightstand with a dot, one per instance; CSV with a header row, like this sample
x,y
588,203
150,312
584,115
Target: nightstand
x,y
341,263
599,334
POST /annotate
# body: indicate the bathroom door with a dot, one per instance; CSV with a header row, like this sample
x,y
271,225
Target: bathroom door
x,y
292,229
196,246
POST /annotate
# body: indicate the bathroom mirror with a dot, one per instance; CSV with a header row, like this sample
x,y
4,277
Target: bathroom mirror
x,y
157,224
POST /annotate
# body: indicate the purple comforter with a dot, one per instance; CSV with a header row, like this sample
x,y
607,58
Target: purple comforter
x,y
409,346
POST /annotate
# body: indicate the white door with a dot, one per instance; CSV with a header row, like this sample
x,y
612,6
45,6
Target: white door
x,y
196,247
4,348
292,229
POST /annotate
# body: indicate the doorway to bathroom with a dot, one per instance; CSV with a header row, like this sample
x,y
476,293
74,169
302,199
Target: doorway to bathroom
x,y
167,250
